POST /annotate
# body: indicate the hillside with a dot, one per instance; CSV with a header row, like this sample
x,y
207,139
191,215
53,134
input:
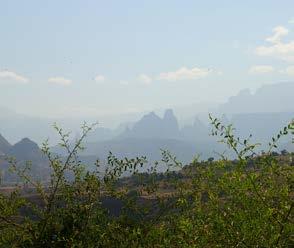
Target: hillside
x,y
23,151
4,145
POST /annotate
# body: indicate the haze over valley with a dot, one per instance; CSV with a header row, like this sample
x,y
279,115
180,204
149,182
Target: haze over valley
x,y
147,134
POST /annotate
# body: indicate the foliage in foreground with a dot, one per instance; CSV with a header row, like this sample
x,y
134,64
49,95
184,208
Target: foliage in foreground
x,y
247,202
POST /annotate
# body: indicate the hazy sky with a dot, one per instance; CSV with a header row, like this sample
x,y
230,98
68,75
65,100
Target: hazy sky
x,y
81,58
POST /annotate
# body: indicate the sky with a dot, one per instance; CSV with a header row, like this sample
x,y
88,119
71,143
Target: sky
x,y
75,58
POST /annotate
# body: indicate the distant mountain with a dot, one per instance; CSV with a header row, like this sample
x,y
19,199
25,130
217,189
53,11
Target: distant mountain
x,y
23,151
4,145
26,150
151,126
151,134
269,98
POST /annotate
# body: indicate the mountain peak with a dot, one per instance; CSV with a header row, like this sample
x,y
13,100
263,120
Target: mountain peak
x,y
26,149
27,142
152,126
